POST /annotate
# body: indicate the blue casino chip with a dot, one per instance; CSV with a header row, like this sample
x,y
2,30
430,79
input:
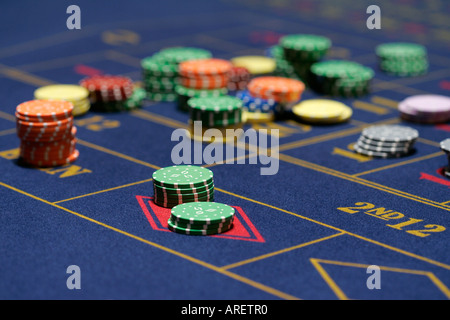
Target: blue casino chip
x,y
253,104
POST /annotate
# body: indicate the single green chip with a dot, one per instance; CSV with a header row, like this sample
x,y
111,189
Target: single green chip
x,y
197,232
218,104
202,212
201,226
399,50
186,176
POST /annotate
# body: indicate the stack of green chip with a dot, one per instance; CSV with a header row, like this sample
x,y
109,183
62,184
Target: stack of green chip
x,y
201,218
184,94
181,184
402,59
216,112
296,53
160,71
341,78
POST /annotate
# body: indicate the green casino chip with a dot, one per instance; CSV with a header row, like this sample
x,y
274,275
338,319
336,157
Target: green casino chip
x,y
172,191
304,46
400,50
202,212
338,69
176,55
182,176
217,104
201,226
197,232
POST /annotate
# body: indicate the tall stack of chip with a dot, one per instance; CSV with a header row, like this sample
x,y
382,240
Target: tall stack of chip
x,y
201,218
341,78
77,95
224,112
445,146
46,132
109,93
386,141
402,59
182,184
426,108
299,53
257,109
160,71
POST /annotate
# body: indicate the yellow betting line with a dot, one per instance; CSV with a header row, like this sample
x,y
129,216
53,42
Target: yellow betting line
x,y
232,275
271,254
105,190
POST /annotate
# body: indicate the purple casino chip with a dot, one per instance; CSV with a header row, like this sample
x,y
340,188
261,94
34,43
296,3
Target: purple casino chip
x,y
426,108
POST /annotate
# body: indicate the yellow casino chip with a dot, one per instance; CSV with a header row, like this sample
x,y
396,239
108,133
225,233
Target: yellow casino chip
x,y
68,92
322,111
255,64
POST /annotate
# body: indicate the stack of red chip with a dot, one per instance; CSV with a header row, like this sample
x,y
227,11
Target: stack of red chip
x,y
205,73
46,131
280,89
239,78
107,91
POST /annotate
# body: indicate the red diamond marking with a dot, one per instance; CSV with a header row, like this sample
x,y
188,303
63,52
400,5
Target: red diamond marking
x,y
243,228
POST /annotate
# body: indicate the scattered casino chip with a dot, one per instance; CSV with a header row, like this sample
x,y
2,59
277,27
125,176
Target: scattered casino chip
x,y
322,111
238,79
402,59
386,141
341,78
256,65
201,218
428,108
161,71
280,89
46,132
257,109
77,95
113,93
216,112
181,184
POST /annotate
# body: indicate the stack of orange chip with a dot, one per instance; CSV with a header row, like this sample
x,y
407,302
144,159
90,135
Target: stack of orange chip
x,y
205,73
280,89
46,131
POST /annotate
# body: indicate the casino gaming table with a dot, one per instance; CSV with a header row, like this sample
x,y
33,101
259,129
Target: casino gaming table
x,y
321,228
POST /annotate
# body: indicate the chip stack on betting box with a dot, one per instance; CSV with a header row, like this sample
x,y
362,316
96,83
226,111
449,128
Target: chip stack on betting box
x,y
201,218
426,108
402,59
182,184
161,71
46,132
386,141
445,146
112,93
